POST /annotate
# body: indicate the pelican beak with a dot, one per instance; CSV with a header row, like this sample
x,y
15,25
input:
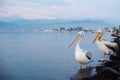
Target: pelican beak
x,y
75,40
97,36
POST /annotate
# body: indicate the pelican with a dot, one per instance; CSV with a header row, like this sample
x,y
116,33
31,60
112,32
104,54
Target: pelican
x,y
82,56
106,47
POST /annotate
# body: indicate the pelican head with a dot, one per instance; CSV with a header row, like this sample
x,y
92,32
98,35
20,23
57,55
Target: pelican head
x,y
99,34
79,37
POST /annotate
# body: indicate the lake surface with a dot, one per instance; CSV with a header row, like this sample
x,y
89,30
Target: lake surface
x,y
44,56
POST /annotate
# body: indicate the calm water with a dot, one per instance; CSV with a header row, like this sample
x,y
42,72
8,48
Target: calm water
x,y
43,56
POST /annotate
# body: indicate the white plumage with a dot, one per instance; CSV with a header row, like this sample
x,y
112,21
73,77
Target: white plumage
x,y
106,47
82,56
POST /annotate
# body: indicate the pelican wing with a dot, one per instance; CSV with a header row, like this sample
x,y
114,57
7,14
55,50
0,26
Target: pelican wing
x,y
111,44
88,55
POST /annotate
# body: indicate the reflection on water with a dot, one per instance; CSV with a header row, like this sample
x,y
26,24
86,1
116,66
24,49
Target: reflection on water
x,y
42,56
82,73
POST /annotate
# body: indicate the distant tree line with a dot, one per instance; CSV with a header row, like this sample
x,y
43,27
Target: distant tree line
x,y
69,29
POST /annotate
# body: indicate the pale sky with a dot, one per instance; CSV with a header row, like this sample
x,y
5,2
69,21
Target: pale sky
x,y
60,9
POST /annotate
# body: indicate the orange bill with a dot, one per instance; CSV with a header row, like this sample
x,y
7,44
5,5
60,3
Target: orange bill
x,y
97,36
75,40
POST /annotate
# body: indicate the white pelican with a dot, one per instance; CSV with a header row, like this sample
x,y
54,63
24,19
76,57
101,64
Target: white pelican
x,y
106,47
82,56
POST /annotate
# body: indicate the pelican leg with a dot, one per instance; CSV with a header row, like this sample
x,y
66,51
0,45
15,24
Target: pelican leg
x,y
87,66
81,66
107,56
104,58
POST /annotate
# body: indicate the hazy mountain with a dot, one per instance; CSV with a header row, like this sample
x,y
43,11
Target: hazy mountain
x,y
47,24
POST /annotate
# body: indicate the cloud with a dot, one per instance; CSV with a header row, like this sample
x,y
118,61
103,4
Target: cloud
x,y
60,9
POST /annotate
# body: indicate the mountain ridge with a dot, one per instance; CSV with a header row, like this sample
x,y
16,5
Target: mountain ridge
x,y
47,24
